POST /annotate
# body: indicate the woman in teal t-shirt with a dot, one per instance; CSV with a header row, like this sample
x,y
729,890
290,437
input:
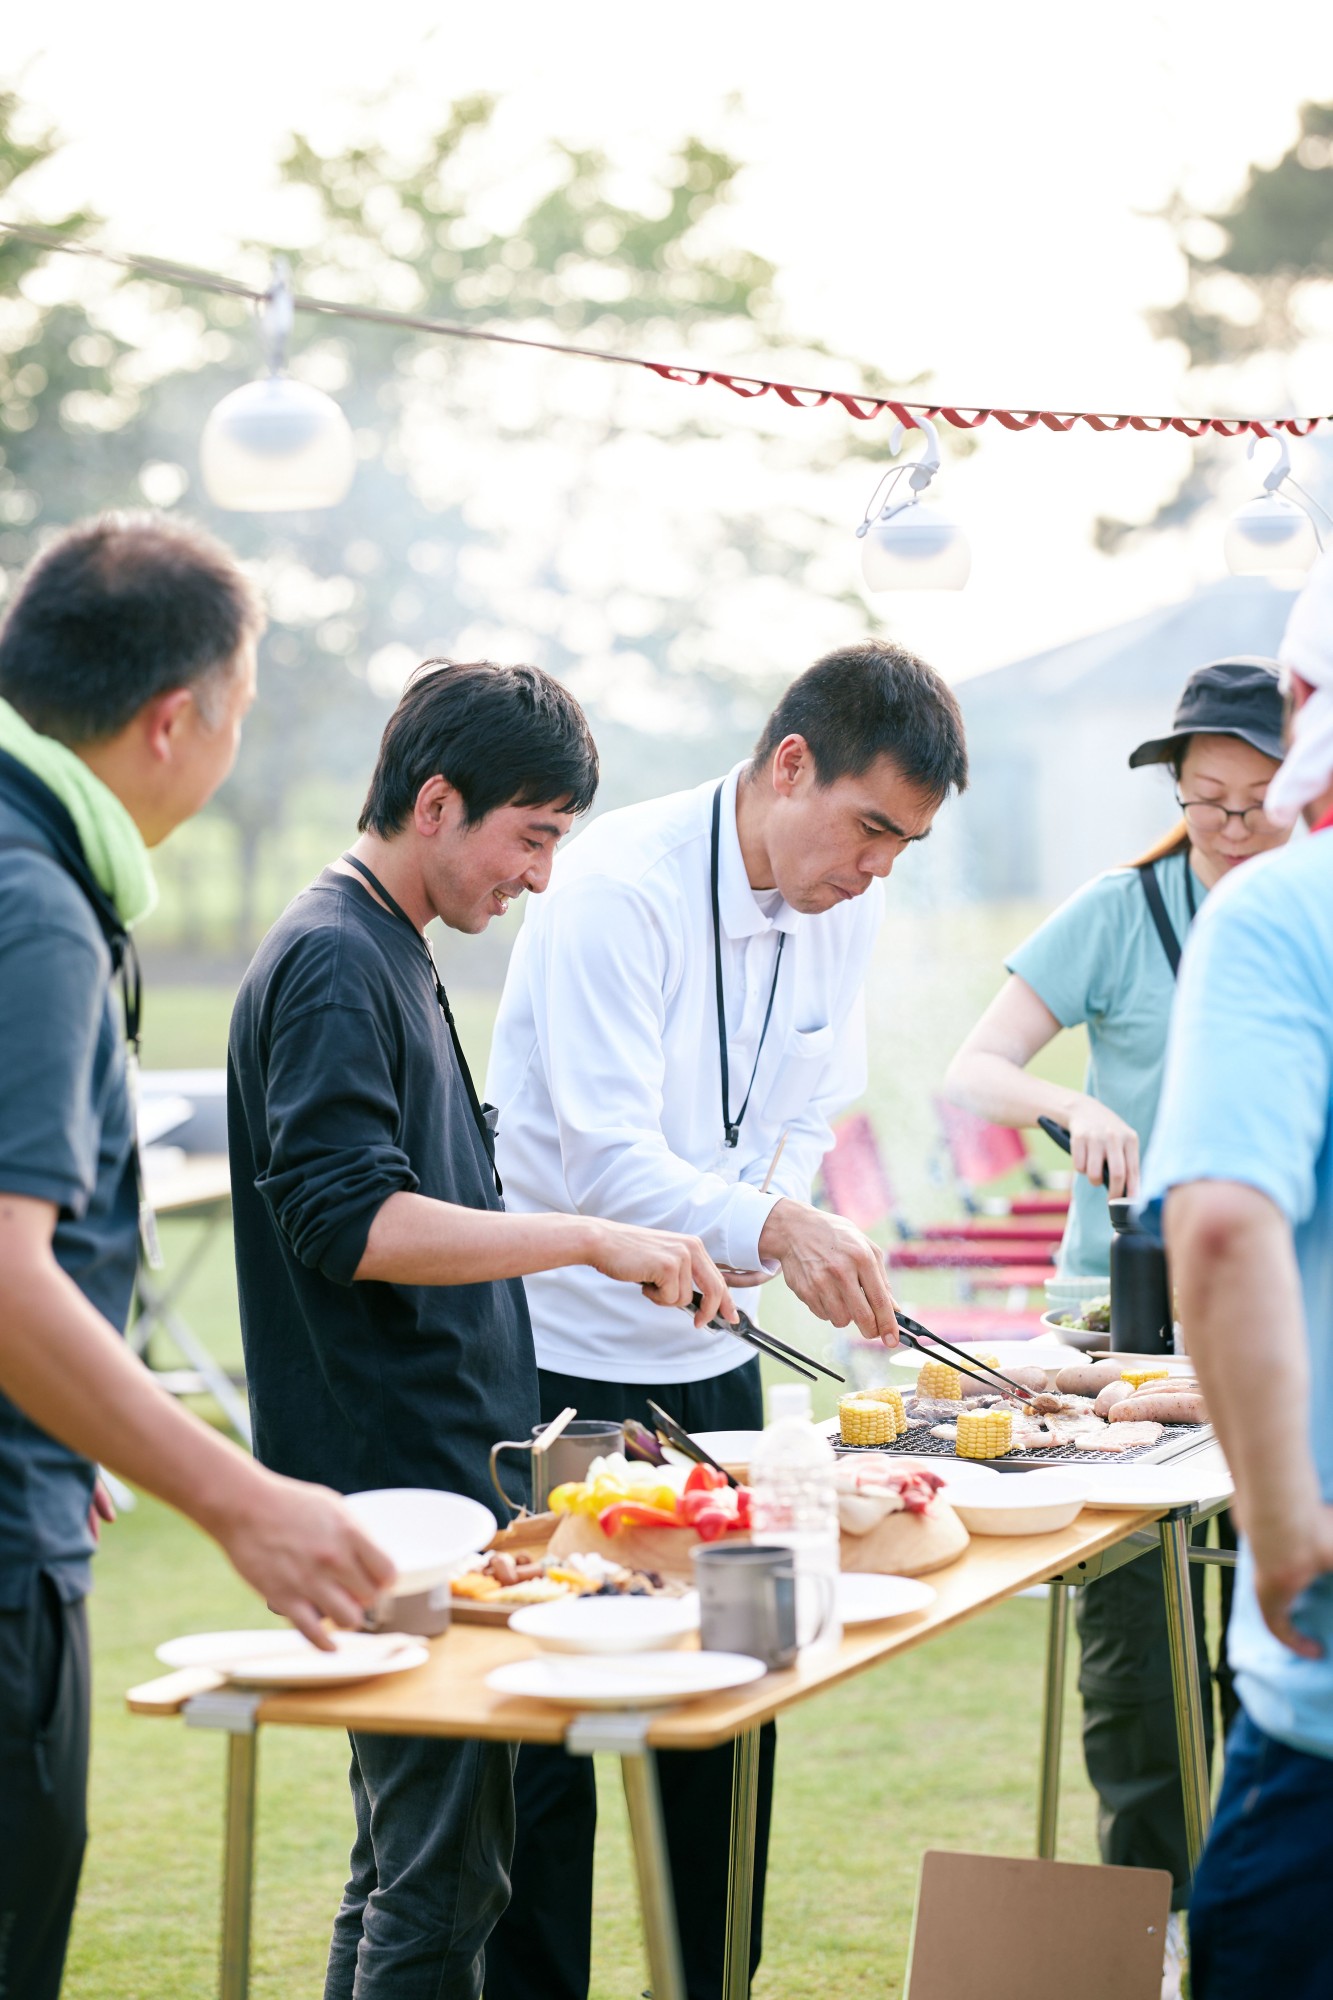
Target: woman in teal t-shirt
x,y
1107,959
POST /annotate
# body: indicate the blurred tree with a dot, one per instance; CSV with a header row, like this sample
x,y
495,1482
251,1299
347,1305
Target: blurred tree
x,y
504,502
1258,284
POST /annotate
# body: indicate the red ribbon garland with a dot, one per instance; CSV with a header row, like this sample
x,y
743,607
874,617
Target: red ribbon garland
x,y
866,407
796,396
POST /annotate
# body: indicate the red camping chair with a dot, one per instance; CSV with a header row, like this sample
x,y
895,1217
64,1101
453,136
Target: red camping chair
x,y
981,1152
857,1185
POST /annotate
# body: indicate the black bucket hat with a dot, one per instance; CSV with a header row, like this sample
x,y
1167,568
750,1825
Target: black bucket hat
x,y
1238,697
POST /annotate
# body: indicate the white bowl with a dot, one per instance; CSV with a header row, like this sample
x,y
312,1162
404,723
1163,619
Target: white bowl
x,y
422,1531
1031,1503
609,1624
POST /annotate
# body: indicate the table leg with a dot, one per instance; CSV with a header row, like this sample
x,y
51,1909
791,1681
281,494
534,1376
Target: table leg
x,y
1175,1538
740,1867
656,1902
238,1865
1053,1716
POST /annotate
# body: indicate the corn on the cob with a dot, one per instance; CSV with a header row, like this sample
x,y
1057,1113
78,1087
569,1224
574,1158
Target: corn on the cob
x,y
892,1399
1136,1377
984,1433
865,1422
939,1380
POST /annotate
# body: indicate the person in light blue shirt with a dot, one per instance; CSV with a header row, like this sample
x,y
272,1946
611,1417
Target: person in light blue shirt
x,y
1104,959
1243,1153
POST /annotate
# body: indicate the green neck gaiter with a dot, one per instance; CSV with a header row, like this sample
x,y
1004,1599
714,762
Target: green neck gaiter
x,y
112,844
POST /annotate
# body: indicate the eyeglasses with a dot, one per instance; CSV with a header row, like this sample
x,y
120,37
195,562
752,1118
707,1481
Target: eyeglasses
x,y
1204,817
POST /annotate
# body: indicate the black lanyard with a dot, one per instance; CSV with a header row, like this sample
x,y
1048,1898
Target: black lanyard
x,y
479,1117
1166,930
731,1129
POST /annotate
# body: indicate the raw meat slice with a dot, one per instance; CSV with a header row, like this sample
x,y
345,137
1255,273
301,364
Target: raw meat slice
x,y
1119,1437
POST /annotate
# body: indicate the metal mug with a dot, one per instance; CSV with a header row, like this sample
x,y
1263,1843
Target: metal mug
x,y
582,1440
747,1601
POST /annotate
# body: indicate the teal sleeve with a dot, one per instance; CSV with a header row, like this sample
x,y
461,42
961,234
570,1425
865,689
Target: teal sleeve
x,y
1250,1060
1071,962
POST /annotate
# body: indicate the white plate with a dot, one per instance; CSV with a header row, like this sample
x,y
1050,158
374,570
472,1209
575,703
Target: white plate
x,y
423,1532
642,1680
729,1448
283,1659
865,1599
1140,1485
609,1624
1034,1504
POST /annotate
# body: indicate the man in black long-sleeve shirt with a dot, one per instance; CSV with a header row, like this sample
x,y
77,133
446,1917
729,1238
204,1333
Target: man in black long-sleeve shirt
x,y
386,1334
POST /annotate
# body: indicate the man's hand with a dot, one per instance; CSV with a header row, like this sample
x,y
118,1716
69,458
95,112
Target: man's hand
x,y
100,1508
670,1269
305,1555
1099,1140
1284,1570
832,1268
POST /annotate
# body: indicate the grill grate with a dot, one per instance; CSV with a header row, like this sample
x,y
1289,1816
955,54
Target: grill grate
x,y
918,1443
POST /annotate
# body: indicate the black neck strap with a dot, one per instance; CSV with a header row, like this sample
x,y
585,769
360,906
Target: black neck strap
x,y
731,1128
1166,930
477,1108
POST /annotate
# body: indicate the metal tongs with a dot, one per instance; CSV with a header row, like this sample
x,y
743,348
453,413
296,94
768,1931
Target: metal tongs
x,y
676,1435
767,1343
913,1334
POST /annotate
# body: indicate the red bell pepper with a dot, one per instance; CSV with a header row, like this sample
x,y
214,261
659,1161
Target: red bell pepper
x,y
704,1479
634,1514
744,1507
711,1523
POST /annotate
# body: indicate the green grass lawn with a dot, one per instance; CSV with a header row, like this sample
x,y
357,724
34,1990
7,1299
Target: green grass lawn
x,y
939,1749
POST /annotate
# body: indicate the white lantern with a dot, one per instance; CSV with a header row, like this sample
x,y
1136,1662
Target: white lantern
x,y
912,544
277,445
1271,532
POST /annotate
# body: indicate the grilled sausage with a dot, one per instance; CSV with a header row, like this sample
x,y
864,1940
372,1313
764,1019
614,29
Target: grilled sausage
x,y
1107,1398
1087,1378
1172,1406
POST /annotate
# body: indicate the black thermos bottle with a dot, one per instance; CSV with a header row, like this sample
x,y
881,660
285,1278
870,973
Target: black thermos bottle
x,y
1140,1290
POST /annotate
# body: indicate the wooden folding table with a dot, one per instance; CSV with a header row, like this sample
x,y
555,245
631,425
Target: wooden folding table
x,y
448,1696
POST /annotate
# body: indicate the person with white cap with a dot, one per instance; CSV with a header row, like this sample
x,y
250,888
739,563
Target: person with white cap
x,y
1243,1154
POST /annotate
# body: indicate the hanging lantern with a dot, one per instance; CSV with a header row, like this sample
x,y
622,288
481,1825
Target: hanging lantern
x,y
912,544
277,445
1272,532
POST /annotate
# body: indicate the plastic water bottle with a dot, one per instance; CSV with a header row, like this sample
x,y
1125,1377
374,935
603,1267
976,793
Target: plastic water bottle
x,y
796,1507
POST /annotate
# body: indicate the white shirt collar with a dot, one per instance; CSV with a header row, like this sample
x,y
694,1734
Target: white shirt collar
x,y
741,914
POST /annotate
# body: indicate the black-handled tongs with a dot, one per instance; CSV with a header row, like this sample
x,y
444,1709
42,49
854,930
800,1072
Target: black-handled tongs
x,y
1060,1134
676,1435
913,1334
768,1343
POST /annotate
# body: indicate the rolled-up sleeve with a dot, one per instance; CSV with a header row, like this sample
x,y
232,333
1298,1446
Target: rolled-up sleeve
x,y
333,1120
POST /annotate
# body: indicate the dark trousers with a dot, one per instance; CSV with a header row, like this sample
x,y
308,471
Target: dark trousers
x,y
44,1694
1129,1725
430,1868
1259,1920
542,1947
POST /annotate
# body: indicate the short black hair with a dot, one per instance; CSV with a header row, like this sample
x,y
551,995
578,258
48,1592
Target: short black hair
x,y
870,700
502,736
117,611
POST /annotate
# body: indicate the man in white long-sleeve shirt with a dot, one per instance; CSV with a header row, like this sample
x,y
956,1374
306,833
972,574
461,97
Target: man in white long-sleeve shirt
x,y
752,902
